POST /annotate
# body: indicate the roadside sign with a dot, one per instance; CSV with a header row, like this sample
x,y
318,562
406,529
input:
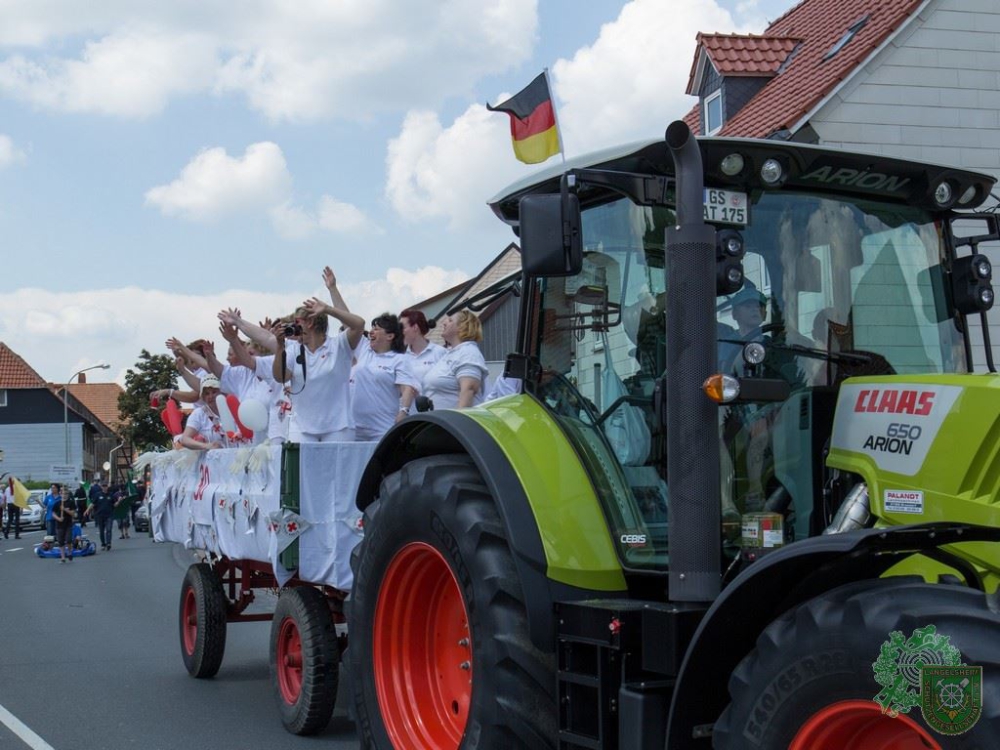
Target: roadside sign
x,y
63,473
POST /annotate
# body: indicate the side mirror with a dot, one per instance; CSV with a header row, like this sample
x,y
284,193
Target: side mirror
x,y
551,244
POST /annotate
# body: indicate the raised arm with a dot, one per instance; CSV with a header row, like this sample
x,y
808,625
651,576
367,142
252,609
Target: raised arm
x,y
339,310
191,357
243,356
255,333
279,370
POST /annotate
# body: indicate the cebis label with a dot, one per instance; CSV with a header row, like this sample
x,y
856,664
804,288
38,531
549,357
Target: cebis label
x,y
893,423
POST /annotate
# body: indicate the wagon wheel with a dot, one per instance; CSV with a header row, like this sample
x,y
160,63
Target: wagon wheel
x,y
305,660
202,621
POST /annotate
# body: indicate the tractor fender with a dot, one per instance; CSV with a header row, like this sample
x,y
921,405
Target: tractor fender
x,y
475,433
775,584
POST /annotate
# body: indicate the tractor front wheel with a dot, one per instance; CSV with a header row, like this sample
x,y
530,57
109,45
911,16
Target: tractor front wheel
x,y
202,621
811,681
440,653
305,660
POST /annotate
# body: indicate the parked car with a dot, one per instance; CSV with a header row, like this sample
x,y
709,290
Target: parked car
x,y
33,517
141,519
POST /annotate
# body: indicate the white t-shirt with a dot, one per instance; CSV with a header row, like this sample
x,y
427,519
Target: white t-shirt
x,y
421,364
463,361
246,385
278,406
321,401
375,400
205,423
504,386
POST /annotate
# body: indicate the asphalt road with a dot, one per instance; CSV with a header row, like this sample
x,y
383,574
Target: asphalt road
x,y
90,660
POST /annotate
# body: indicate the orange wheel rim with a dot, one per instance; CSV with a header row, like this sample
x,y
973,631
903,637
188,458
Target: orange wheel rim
x,y
288,656
422,652
189,621
861,725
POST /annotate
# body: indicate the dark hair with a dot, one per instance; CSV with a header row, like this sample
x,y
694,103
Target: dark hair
x,y
418,319
390,324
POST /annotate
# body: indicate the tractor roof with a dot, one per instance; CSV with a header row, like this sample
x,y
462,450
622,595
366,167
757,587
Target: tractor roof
x,y
812,168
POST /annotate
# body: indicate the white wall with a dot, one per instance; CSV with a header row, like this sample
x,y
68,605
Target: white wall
x,y
933,94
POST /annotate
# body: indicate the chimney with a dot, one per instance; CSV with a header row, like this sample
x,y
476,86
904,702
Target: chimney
x,y
81,379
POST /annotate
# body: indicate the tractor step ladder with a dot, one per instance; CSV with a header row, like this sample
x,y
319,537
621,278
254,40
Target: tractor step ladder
x,y
617,660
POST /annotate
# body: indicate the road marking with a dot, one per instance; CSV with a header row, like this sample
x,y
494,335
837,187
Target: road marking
x,y
15,549
29,738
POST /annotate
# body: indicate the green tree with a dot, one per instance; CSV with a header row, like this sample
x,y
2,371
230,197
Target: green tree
x,y
141,424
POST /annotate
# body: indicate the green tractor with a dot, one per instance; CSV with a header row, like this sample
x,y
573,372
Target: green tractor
x,y
748,497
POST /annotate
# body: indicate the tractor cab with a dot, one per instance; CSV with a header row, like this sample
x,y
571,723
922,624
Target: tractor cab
x,y
828,266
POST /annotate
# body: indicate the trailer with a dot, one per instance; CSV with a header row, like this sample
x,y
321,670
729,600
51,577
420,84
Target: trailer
x,y
276,518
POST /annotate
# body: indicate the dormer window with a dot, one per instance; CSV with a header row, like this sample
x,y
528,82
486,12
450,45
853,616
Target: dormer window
x,y
713,113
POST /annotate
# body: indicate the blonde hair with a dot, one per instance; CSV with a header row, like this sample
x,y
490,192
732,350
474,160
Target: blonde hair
x,y
319,322
468,325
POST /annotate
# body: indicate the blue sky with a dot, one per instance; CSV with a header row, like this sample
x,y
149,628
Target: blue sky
x,y
160,161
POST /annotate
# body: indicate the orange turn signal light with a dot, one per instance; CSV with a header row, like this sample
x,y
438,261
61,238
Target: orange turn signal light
x,y
721,388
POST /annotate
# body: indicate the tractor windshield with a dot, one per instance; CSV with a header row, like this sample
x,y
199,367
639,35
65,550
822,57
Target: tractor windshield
x,y
835,287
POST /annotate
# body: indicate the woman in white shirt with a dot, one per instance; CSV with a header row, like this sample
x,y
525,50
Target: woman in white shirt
x,y
384,384
317,367
423,353
203,430
457,380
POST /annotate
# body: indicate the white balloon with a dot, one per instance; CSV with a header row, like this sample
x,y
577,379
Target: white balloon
x,y
253,414
225,416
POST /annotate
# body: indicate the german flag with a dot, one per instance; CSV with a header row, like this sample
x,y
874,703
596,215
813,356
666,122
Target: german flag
x,y
532,122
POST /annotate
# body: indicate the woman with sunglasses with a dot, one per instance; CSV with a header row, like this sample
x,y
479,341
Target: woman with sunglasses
x,y
384,383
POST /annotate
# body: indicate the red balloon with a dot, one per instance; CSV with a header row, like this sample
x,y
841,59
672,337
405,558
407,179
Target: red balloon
x,y
234,408
171,418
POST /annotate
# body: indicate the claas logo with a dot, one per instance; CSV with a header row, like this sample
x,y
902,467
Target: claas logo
x,y
892,401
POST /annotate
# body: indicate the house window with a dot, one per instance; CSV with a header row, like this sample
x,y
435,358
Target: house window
x,y
3,396
713,113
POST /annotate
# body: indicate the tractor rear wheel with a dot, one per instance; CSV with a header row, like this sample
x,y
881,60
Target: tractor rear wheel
x,y
439,649
810,682
202,621
305,660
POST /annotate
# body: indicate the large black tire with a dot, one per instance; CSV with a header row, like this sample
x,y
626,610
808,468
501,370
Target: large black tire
x,y
305,660
202,621
436,530
822,652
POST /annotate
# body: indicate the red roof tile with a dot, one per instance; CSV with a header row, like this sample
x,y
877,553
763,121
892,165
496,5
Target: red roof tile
x,y
807,78
745,54
15,372
101,399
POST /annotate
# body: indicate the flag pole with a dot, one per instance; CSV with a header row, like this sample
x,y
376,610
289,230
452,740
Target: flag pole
x,y
555,115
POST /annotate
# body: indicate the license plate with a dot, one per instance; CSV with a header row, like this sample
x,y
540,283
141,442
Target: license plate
x,y
725,206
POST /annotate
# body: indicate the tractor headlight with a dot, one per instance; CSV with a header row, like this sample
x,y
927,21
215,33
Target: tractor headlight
x,y
732,164
771,172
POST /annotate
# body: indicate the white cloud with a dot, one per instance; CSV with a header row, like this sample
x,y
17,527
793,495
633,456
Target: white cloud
x,y
614,90
293,222
291,61
611,92
9,153
433,171
53,330
132,73
214,184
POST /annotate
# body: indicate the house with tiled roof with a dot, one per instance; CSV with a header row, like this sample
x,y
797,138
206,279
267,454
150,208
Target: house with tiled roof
x,y
483,294
915,79
39,429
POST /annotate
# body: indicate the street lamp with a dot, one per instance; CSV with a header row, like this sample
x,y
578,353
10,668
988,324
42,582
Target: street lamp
x,y
66,402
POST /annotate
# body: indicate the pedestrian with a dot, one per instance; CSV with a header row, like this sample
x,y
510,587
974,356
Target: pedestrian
x,y
51,499
124,519
102,507
81,504
13,510
64,513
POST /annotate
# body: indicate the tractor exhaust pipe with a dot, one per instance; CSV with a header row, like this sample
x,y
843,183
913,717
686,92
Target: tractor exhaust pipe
x,y
695,530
